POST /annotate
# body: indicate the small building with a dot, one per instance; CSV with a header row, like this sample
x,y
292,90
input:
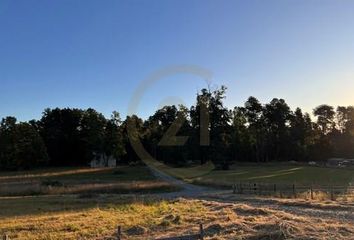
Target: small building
x,y
102,160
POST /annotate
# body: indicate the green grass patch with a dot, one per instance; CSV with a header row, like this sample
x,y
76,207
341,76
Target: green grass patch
x,y
183,173
280,174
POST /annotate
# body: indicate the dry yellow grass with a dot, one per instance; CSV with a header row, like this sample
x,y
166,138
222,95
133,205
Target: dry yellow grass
x,y
70,217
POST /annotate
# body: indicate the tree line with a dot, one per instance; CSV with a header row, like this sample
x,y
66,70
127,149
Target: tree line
x,y
254,132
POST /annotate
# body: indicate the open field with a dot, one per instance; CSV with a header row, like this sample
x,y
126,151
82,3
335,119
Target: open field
x,y
138,179
183,173
268,173
81,181
83,203
279,174
224,217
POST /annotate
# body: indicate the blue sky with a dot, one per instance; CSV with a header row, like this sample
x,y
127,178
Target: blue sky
x,y
96,53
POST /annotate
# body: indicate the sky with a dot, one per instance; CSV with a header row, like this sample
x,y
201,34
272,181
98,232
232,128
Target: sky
x,y
108,54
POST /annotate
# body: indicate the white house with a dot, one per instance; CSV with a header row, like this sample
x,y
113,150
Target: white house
x,y
102,160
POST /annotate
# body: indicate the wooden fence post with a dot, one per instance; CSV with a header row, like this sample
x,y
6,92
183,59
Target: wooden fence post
x,y
311,191
294,191
234,188
119,233
332,194
201,231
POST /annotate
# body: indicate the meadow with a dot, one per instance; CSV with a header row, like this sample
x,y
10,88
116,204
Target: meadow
x,y
145,217
273,172
279,173
137,179
85,203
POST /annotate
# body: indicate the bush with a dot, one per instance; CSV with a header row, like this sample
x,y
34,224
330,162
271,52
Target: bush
x,y
52,183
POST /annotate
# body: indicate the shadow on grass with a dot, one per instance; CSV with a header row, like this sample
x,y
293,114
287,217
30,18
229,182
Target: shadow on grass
x,y
126,173
46,205
56,188
120,180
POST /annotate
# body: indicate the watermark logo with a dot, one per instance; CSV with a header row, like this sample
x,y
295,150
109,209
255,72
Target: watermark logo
x,y
170,137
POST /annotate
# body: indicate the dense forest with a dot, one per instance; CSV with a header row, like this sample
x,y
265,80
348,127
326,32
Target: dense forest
x,y
253,132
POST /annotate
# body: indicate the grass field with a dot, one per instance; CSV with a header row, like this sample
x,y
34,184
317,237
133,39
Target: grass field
x,y
71,218
81,181
268,173
279,174
84,203
139,179
183,173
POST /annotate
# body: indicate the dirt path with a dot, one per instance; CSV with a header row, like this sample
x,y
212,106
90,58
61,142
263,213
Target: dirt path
x,y
187,189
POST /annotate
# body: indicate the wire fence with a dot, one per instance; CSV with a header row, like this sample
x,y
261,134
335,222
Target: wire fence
x,y
293,190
